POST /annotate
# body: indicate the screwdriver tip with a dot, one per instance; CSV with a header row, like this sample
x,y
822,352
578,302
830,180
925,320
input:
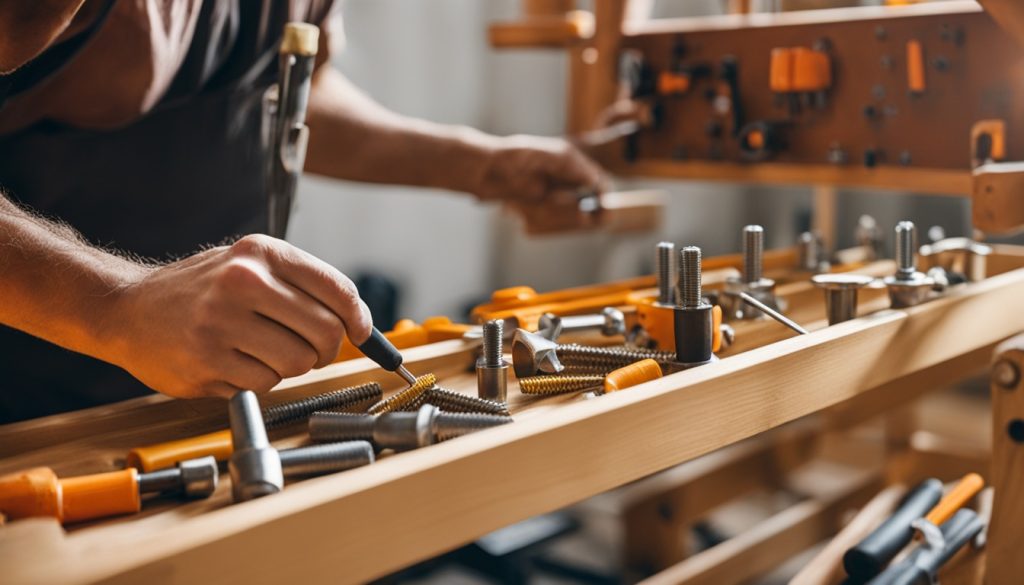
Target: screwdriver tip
x,y
406,375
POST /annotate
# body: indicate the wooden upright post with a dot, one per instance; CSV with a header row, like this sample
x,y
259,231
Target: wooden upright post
x,y
1005,563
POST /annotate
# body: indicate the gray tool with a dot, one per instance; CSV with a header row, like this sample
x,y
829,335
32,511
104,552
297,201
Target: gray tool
x,y
255,466
285,134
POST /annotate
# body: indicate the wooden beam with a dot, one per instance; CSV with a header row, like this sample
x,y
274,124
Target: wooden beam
x,y
769,543
1004,562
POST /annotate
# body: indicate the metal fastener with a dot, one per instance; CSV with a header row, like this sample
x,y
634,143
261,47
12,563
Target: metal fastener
x,y
192,478
810,252
752,280
841,294
693,318
609,322
908,287
663,260
450,401
491,368
255,466
346,399
326,458
405,397
400,430
557,384
533,354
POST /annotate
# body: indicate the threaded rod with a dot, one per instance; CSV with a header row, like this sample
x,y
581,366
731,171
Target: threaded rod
x,y
493,334
753,250
689,278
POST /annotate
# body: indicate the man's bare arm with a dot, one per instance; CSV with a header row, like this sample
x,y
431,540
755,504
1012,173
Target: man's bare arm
x,y
352,137
228,318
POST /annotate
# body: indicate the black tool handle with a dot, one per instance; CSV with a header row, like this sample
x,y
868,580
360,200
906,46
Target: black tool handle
x,y
381,351
871,555
923,564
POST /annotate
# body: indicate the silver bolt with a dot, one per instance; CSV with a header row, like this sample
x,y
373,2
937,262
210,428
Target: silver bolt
x,y
664,262
753,250
906,233
326,458
255,466
689,277
400,430
841,294
192,478
491,368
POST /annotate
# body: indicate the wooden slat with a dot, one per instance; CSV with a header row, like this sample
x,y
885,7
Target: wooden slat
x,y
1005,563
767,544
537,465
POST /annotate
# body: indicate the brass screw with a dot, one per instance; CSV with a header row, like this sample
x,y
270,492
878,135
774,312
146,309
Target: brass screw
x,y
405,397
551,385
346,399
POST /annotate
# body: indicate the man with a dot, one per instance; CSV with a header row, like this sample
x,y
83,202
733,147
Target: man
x,y
136,124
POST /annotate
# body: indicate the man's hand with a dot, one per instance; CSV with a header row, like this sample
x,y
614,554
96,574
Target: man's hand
x,y
235,317
530,170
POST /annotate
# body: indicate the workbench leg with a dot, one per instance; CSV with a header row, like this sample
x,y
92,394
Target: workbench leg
x,y
1005,560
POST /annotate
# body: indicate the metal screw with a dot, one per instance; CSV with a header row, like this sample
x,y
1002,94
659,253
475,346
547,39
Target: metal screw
x,y
906,233
326,458
753,250
664,262
583,359
405,397
400,430
610,322
450,401
693,319
345,399
689,277
193,478
551,385
841,294
491,368
1006,374
255,466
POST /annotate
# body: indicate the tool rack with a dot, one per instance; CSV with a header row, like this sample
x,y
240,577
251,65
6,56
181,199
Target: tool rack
x,y
368,522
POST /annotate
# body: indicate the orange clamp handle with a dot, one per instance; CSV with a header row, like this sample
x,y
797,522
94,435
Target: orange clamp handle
x,y
38,492
957,497
915,67
632,375
163,455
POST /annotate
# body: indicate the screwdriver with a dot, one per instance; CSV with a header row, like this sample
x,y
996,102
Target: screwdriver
x,y
386,355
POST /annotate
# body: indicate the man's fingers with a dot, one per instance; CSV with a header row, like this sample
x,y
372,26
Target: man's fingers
x,y
240,370
278,347
304,315
219,390
573,168
322,282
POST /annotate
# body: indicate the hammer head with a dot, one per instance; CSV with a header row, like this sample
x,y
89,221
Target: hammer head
x,y
532,353
255,466
199,477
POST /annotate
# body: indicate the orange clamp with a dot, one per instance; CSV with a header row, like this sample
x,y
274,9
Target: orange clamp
x,y
163,455
915,67
957,497
38,492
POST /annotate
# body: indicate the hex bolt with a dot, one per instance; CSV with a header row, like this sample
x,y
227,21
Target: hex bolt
x,y
907,287
664,259
753,251
326,458
192,478
693,319
1006,374
255,466
400,430
841,294
345,399
491,368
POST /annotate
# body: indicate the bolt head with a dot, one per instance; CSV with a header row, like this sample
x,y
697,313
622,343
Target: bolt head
x,y
425,432
199,477
614,322
532,353
1006,374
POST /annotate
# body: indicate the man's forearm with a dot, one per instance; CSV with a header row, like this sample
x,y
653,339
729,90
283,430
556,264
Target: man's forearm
x,y
54,285
354,138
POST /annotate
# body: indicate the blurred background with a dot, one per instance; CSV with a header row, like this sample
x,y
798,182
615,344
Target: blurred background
x,y
444,252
